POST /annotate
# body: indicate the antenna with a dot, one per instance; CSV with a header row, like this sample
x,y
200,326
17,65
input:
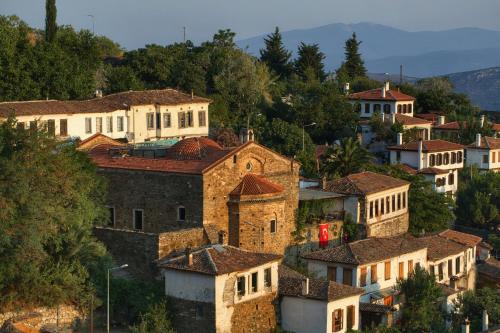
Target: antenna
x,y
184,33
400,74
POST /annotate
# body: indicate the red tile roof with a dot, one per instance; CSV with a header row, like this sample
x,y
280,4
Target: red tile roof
x,y
428,146
96,140
461,237
376,94
487,142
252,184
107,103
364,183
406,168
496,127
218,260
432,171
439,247
408,120
451,126
193,148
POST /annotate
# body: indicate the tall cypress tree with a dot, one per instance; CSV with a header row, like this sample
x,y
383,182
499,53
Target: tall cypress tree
x,y
310,62
50,20
354,64
275,55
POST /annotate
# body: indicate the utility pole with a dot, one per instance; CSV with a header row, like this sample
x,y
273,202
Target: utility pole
x,y
93,23
401,74
184,34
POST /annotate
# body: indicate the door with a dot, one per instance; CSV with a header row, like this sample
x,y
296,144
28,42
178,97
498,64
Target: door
x,y
347,278
332,273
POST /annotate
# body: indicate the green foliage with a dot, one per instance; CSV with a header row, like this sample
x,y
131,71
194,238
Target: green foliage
x,y
471,304
421,309
346,158
121,79
50,199
309,64
275,56
478,201
353,65
349,228
306,213
155,320
50,20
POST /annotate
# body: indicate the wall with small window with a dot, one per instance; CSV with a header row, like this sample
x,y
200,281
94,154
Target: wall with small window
x,y
484,159
444,160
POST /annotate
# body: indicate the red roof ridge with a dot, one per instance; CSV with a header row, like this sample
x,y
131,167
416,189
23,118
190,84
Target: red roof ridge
x,y
253,184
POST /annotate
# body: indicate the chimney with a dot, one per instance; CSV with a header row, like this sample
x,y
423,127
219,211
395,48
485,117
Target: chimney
x,y
305,287
189,257
420,154
440,120
323,183
387,85
192,94
347,87
481,120
399,139
466,326
383,91
478,140
485,321
98,93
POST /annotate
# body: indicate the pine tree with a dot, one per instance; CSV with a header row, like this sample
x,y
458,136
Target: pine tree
x,y
275,55
353,65
309,64
50,20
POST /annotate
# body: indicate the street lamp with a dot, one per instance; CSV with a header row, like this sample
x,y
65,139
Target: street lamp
x,y
304,134
107,308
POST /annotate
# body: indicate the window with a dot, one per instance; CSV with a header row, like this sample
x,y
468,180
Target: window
x,y
376,207
393,203
98,125
446,159
451,179
440,270
351,316
167,120
88,125
373,274
453,158
357,107
404,199
332,273
202,119
439,159
338,316
362,278
376,108
399,108
387,270
410,108
254,282
457,266
189,119
367,108
181,213
240,285
33,125
181,117
51,127
387,204
382,206
387,108
371,209
485,158
493,155
347,276
410,267
432,160
404,108
20,125
450,268
431,269
267,277
138,219
459,157
111,221
63,127
109,124
401,270
398,156
273,226
399,201
150,120
119,124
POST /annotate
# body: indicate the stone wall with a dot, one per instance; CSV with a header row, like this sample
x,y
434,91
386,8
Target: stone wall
x,y
257,315
390,227
39,317
192,316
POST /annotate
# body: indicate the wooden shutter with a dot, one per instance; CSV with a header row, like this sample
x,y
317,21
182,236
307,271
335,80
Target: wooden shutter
x,y
351,316
401,273
332,273
387,270
362,278
63,127
347,276
373,274
410,266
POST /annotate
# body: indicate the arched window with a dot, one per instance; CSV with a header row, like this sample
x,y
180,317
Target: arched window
x,y
181,213
451,179
439,159
387,108
446,159
432,160
453,158
459,157
404,108
410,108
399,108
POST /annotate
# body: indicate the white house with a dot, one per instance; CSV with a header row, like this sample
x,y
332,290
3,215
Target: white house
x,y
484,153
138,116
438,160
316,305
222,289
383,100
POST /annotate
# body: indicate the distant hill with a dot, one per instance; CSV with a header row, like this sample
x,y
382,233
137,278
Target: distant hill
x,y
482,86
385,48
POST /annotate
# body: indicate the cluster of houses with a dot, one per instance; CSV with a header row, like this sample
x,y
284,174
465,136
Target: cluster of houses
x,y
218,224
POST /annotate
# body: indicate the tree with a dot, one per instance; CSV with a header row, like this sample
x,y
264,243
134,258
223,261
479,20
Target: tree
x,y
471,305
121,78
155,320
309,64
345,158
353,65
275,55
421,309
50,20
51,198
478,201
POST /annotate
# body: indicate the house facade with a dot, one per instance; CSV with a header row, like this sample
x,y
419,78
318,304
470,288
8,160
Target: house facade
x,y
484,153
137,116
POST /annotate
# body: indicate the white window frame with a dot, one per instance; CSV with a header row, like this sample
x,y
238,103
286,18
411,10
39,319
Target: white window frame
x,y
275,226
119,124
251,289
88,125
133,212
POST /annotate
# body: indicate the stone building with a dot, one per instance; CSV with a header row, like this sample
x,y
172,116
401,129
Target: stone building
x,y
222,289
196,193
377,202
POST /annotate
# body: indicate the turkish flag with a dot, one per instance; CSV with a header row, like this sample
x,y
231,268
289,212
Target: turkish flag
x,y
323,235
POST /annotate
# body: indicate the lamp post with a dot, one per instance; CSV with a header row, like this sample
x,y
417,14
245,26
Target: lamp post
x,y
304,135
107,307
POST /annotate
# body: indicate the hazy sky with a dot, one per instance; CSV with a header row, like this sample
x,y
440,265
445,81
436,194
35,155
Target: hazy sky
x,y
134,23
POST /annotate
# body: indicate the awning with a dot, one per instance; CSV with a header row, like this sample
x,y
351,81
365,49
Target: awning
x,y
381,294
375,308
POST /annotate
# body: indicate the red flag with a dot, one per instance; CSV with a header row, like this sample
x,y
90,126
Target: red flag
x,y
323,235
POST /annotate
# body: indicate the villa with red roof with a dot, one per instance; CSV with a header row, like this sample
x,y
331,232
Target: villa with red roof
x,y
484,153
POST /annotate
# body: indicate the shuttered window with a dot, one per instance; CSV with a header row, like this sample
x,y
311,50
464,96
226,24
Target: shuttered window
x,y
63,127
337,318
387,270
362,278
373,274
347,276
401,271
351,316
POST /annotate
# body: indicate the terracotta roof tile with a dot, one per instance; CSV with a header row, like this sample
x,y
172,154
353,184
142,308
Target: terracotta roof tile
x,y
487,142
374,307
368,250
428,146
432,171
439,247
219,259
452,125
376,94
461,237
406,168
490,268
408,120
97,140
193,149
496,127
107,103
364,183
252,184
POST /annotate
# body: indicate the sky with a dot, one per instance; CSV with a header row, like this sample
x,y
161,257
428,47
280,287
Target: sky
x,y
134,23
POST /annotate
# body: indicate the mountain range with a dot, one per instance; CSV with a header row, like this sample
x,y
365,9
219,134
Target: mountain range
x,y
384,49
